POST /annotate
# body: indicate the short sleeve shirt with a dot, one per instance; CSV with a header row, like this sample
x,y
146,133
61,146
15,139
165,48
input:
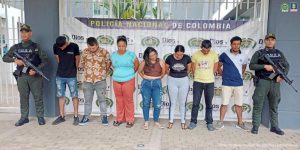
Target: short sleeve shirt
x,y
204,71
67,63
178,68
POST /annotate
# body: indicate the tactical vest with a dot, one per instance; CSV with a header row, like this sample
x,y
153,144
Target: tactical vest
x,y
31,53
275,55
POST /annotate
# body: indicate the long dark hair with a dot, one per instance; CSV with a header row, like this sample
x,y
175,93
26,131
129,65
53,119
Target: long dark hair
x,y
147,52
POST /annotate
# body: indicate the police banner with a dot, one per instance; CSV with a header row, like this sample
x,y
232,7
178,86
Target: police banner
x,y
164,35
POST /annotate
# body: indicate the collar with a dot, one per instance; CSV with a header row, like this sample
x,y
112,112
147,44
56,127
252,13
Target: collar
x,y
269,49
233,53
96,52
27,43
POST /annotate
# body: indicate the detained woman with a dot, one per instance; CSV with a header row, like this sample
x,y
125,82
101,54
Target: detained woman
x,y
151,69
178,66
125,65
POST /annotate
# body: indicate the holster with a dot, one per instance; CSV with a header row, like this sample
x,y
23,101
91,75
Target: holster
x,y
17,74
255,80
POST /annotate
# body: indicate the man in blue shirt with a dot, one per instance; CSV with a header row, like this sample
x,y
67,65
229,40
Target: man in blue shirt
x,y
232,65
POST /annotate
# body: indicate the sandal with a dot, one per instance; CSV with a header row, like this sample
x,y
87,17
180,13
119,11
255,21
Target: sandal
x,y
170,126
158,125
129,124
117,123
183,126
146,126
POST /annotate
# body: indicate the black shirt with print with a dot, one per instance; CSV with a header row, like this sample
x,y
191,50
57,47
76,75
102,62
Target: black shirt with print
x,y
67,63
178,68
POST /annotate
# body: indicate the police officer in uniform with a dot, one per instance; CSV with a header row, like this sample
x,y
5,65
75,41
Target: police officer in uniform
x,y
267,88
28,80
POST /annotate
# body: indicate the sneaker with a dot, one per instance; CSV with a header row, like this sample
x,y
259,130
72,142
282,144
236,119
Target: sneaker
x,y
41,121
210,127
220,125
192,126
59,120
75,121
104,120
21,122
277,131
242,126
84,121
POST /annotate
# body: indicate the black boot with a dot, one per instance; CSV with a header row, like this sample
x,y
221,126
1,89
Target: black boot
x,y
277,130
41,120
21,122
254,130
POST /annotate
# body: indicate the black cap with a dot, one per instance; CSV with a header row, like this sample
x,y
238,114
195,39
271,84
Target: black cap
x,y
270,35
25,27
206,44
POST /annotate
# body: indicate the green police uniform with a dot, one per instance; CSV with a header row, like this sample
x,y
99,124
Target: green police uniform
x,y
26,83
266,88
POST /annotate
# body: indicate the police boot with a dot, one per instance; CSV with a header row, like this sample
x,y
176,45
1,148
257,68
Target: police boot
x,y
277,130
21,122
41,120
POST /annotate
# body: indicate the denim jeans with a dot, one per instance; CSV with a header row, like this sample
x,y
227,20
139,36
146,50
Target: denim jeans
x,y
151,90
61,86
88,92
198,89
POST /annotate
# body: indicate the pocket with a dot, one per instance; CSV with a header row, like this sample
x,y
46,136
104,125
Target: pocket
x,y
84,86
258,94
161,89
158,83
142,86
57,80
101,85
72,82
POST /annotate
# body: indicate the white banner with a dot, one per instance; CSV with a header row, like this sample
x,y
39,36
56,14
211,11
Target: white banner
x,y
164,35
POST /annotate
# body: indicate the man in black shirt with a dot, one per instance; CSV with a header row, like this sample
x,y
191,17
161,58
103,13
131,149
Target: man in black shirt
x,y
67,55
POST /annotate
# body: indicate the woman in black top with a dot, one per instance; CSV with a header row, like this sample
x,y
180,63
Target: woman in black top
x,y
178,66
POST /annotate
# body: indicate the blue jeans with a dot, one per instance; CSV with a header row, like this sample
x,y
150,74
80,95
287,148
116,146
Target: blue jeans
x,y
61,86
151,89
198,89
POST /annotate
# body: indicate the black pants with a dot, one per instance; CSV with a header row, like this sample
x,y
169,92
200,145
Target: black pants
x,y
198,89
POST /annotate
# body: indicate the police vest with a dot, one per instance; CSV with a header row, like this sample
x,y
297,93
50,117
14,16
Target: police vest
x,y
275,55
31,53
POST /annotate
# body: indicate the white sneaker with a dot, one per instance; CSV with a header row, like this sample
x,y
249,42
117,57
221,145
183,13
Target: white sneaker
x,y
242,126
220,125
